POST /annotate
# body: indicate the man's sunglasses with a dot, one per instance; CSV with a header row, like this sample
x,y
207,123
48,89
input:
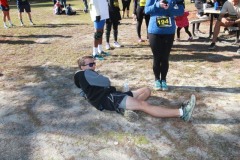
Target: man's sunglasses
x,y
90,64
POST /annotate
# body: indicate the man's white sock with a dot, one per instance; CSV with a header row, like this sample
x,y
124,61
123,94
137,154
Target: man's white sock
x,y
180,112
99,48
95,51
10,22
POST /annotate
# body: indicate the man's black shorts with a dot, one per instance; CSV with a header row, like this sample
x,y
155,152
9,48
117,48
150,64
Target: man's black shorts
x,y
116,100
25,7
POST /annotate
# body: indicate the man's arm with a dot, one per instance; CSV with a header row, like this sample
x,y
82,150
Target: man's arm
x,y
96,79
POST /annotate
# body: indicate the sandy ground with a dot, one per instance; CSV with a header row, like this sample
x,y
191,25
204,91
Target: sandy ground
x,y
43,117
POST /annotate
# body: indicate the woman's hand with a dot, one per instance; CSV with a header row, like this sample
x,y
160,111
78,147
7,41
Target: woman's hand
x,y
164,4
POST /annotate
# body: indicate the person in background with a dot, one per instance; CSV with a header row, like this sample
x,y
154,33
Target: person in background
x,y
113,21
85,6
139,13
126,5
99,13
69,10
229,16
182,22
24,5
200,13
63,3
5,9
58,8
161,31
97,89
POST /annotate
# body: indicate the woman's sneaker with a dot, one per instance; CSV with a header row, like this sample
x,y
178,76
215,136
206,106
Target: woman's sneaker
x,y
116,44
157,85
190,38
188,108
107,46
164,85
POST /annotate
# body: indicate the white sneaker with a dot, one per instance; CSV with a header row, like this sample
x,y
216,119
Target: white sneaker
x,y
107,46
5,26
22,24
238,51
31,23
116,44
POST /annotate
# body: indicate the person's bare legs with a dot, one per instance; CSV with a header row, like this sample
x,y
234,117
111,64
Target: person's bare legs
x,y
216,31
20,18
98,41
156,111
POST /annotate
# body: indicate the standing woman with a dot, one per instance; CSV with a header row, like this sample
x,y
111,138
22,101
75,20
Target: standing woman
x,y
138,12
126,5
161,32
112,22
5,9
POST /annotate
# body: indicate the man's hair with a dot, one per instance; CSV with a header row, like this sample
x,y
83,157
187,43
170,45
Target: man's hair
x,y
81,60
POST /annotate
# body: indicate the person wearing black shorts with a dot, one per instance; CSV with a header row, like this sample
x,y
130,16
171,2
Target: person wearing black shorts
x,y
97,89
24,5
126,5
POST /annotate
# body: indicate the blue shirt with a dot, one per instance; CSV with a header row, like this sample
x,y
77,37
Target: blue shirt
x,y
155,11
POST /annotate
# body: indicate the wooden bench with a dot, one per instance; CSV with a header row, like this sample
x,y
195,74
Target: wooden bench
x,y
195,21
234,29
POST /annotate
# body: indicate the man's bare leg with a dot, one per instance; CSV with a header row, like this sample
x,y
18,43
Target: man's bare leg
x,y
156,111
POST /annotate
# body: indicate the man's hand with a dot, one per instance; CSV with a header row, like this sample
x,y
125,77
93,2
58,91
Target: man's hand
x,y
227,22
98,18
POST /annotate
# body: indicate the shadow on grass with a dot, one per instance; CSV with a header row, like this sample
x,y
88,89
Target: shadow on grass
x,y
17,42
59,25
39,36
195,57
205,89
216,121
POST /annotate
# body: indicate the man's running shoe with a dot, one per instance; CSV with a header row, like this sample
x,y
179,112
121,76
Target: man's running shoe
x,y
98,57
164,85
104,53
212,46
157,85
188,108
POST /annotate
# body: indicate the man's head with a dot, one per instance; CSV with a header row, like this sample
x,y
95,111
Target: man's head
x,y
235,2
86,62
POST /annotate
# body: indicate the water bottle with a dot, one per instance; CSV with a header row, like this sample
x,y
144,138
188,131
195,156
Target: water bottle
x,y
216,5
125,86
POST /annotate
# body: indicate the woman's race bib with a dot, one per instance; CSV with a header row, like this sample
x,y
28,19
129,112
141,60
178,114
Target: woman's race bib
x,y
163,21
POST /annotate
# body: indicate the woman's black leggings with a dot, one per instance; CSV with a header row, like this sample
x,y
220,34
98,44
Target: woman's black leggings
x,y
161,46
109,25
140,14
126,4
186,30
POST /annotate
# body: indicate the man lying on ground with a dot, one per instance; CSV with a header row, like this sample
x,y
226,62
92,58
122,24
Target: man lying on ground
x,y
102,95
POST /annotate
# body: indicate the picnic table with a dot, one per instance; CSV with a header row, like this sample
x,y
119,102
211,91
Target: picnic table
x,y
211,11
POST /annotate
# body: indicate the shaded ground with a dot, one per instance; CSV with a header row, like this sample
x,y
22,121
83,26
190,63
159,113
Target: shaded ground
x,y
43,117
